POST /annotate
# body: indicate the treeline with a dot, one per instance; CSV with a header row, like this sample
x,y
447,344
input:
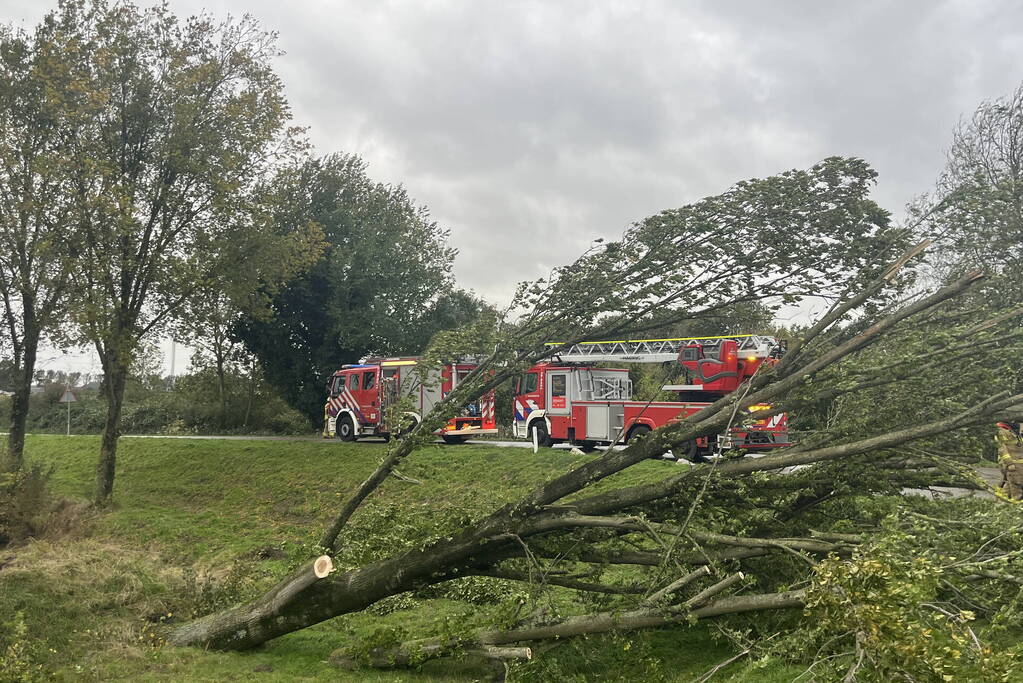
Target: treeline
x,y
189,404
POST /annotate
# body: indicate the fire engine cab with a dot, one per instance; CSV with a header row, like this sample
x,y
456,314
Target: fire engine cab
x,y
570,400
360,397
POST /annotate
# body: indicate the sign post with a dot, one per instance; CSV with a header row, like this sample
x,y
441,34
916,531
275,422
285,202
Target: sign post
x,y
69,398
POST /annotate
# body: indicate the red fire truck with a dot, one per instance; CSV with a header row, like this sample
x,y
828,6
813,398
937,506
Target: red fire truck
x,y
359,397
570,400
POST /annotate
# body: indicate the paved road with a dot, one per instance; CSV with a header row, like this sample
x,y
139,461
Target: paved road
x,y
298,437
480,442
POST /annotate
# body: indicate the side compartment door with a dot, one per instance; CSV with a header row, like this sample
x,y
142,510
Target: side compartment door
x,y
557,393
433,390
388,392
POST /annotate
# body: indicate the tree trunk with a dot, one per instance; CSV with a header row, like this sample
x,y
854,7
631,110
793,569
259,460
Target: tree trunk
x,y
115,376
20,400
249,393
269,616
221,386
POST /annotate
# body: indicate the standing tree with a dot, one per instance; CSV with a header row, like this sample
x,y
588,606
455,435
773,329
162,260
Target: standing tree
x,y
976,212
40,102
208,331
374,291
210,317
181,124
975,217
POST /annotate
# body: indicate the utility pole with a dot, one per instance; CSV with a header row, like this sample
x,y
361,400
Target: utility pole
x,y
172,350
68,398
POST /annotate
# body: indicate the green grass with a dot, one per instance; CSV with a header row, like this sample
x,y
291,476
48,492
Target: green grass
x,y
197,523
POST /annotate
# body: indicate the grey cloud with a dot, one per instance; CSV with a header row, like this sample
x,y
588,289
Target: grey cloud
x,y
530,128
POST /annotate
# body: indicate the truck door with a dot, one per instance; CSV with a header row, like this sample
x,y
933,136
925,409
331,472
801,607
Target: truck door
x,y
527,396
334,386
368,395
557,393
355,391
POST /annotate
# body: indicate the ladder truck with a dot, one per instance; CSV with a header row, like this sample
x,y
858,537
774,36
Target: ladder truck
x,y
568,399
360,397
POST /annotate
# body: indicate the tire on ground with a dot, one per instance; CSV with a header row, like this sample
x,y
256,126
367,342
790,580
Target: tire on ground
x,y
344,428
405,431
638,432
543,438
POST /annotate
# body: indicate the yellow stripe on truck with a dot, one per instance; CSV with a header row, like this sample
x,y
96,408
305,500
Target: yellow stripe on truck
x,y
650,341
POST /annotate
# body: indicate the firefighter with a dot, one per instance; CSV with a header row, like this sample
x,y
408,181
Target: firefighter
x,y
1010,459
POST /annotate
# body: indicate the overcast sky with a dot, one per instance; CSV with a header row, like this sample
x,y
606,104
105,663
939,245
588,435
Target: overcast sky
x,y
530,128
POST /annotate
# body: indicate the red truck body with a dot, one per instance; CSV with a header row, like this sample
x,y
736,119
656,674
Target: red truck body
x,y
359,398
582,404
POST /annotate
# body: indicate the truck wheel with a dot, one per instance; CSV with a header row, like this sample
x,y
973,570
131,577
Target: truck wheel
x,y
538,434
402,433
453,440
637,432
344,428
691,451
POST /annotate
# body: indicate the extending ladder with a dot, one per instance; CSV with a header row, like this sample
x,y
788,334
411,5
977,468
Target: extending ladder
x,y
662,350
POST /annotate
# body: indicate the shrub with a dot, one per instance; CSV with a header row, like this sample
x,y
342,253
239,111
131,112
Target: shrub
x,y
17,652
24,503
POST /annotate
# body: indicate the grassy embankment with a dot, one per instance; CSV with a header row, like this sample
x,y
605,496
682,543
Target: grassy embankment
x,y
198,524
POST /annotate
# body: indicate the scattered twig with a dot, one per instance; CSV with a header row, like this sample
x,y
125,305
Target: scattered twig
x,y
850,675
398,475
717,667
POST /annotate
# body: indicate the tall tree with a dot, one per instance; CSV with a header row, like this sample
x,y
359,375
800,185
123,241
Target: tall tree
x,y
209,332
182,123
373,291
40,101
976,211
257,269
975,217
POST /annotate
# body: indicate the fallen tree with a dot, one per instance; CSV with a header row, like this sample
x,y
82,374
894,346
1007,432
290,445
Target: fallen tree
x,y
658,527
